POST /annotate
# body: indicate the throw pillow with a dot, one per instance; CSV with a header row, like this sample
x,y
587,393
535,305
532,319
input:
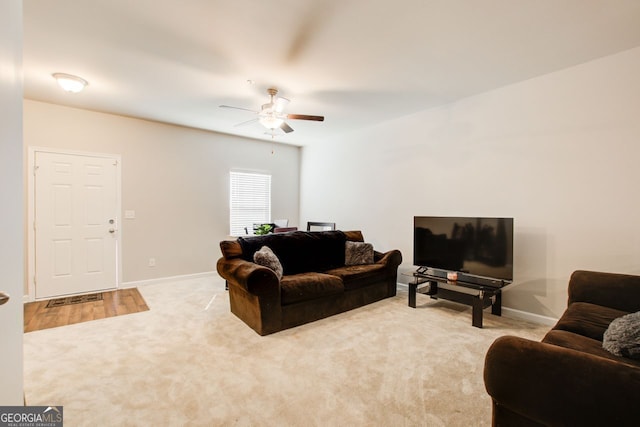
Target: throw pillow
x,y
267,258
622,337
357,253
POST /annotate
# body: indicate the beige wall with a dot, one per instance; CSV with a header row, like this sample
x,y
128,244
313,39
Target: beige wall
x,y
174,178
559,153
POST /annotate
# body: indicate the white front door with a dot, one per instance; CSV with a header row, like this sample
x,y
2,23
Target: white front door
x,y
76,223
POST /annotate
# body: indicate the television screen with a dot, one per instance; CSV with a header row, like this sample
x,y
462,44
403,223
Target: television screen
x,y
474,246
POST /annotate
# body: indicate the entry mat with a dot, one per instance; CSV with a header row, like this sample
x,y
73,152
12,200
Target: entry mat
x,y
78,299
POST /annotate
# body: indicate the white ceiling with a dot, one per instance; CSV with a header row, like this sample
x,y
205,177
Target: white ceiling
x,y
357,62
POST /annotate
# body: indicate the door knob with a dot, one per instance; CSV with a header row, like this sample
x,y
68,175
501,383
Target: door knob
x,y
111,230
3,298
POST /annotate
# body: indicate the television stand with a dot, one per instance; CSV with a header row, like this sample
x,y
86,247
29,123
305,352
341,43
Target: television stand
x,y
477,296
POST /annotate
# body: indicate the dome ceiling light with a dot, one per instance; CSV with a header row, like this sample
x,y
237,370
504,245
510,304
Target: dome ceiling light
x,y
70,83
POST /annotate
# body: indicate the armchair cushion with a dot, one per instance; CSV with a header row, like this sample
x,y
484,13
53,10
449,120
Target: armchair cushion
x,y
588,319
583,344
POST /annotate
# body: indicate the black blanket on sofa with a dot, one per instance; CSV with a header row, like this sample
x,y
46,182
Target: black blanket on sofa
x,y
302,251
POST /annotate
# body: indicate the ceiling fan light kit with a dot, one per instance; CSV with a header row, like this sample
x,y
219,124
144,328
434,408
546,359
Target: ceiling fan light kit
x,y
270,122
272,116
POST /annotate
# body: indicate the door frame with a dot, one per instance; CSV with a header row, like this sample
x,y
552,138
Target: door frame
x,y
30,224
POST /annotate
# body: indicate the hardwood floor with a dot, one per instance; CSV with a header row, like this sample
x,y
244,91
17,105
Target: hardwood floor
x,y
114,303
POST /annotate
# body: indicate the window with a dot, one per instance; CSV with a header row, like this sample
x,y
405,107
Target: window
x,y
250,200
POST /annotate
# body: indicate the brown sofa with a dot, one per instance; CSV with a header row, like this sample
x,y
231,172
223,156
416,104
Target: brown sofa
x,y
569,379
316,282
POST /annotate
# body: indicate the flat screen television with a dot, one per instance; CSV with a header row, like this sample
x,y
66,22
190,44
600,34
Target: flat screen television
x,y
473,246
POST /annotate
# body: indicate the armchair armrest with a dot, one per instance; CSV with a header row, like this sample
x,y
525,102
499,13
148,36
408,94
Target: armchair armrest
x,y
254,278
554,385
614,290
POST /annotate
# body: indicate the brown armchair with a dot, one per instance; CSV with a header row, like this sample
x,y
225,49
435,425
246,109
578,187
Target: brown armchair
x,y
568,379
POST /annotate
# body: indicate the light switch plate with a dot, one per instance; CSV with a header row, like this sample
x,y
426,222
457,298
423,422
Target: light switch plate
x,y
129,214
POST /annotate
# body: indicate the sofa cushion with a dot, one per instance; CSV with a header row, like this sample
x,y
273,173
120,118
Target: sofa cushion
x,y
356,253
354,236
357,276
588,319
267,258
622,337
307,286
584,344
300,251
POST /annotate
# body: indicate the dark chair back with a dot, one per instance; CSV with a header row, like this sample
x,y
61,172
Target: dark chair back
x,y
322,225
284,229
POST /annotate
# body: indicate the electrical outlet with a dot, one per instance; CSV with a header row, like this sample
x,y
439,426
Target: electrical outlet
x,y
152,262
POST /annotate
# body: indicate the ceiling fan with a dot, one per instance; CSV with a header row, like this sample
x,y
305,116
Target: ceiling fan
x,y
272,115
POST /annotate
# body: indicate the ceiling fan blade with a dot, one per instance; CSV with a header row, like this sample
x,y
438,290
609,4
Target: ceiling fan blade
x,y
238,108
305,117
247,122
286,128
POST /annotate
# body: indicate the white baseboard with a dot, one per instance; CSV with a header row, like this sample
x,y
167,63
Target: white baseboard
x,y
531,317
513,313
136,283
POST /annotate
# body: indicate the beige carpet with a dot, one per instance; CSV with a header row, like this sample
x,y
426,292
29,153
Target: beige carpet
x,y
189,361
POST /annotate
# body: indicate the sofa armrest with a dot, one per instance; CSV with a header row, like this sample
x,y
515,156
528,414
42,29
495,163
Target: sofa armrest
x,y
554,385
254,278
614,290
391,259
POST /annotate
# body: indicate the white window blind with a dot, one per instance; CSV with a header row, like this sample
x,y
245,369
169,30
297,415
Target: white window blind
x,y
250,201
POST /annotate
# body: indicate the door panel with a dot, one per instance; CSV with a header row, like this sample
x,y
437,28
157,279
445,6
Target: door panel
x,y
76,203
